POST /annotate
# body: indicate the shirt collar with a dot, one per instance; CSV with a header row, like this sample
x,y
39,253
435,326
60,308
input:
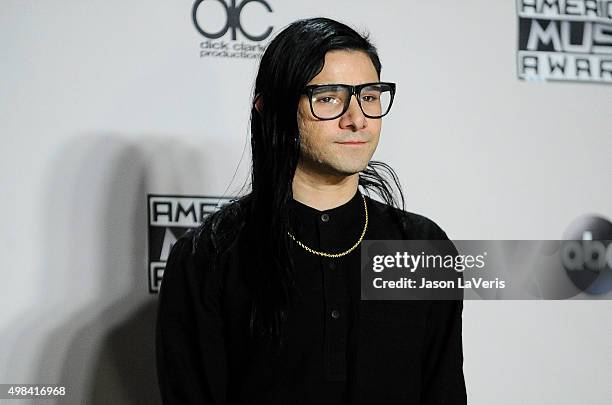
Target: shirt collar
x,y
350,212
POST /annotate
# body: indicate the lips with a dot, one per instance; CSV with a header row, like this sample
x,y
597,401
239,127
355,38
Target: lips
x,y
352,142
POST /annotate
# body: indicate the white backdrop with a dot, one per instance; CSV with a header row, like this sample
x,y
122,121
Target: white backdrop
x,y
102,102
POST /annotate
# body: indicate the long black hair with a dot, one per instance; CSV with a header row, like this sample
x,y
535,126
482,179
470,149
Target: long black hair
x,y
290,61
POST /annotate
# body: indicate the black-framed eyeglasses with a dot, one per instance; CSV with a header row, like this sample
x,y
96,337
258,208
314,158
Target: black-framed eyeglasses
x,y
330,101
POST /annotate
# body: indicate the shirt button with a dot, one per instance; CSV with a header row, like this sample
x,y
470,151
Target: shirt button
x,y
335,314
325,217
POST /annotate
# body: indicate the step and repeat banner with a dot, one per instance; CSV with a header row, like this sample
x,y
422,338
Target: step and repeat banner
x,y
124,124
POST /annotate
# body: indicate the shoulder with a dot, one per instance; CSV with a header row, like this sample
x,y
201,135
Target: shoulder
x,y
181,261
415,226
196,253
220,229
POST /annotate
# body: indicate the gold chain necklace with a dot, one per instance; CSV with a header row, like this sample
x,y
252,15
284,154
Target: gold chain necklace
x,y
346,252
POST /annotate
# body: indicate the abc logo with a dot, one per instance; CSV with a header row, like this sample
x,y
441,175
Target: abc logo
x,y
586,254
233,15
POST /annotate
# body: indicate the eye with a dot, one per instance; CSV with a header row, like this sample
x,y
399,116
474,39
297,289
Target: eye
x,y
370,98
326,100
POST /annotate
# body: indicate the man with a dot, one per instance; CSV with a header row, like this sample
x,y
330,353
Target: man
x,y
261,305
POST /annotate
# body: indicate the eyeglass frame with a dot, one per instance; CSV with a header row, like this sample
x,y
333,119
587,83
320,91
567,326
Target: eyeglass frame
x,y
353,90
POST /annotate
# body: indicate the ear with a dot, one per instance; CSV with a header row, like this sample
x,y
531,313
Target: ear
x,y
258,103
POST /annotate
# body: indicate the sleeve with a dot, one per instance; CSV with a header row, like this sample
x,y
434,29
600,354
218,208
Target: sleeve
x,y
190,347
443,379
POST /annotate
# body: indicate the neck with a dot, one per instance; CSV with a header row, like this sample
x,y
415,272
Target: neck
x,y
323,192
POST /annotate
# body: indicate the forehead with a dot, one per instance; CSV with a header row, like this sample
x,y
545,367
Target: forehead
x,y
348,67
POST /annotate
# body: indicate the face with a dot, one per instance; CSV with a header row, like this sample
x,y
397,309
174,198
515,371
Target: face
x,y
342,146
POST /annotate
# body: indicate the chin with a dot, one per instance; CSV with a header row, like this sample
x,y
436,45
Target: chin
x,y
348,170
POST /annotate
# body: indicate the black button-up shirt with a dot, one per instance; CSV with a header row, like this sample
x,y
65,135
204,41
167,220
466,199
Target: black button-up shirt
x,y
340,350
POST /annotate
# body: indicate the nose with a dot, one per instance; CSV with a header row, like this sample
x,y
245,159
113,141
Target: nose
x,y
353,117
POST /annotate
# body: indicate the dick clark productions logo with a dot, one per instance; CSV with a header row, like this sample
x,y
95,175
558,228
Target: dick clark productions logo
x,y
233,15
